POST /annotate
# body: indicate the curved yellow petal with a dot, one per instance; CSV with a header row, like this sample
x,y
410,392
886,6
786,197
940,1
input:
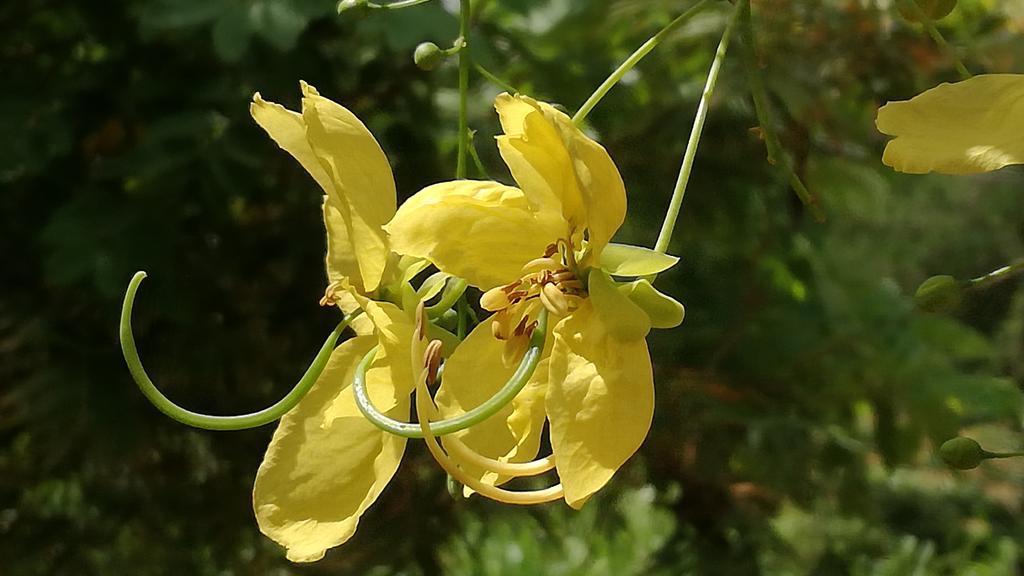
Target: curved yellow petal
x,y
473,374
347,162
972,126
481,231
550,157
600,401
315,483
365,189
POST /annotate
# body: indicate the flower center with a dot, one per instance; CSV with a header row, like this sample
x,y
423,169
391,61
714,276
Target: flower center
x,y
550,282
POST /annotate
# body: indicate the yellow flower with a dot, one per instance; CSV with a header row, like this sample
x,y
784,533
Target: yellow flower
x,y
968,127
543,245
326,463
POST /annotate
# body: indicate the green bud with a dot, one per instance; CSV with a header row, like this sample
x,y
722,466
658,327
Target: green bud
x,y
962,453
428,56
932,9
350,4
939,294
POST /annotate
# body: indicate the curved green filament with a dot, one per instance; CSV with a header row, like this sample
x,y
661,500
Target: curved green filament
x,y
475,416
205,421
452,292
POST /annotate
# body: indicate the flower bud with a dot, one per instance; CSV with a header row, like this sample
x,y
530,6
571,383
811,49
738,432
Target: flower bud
x,y
428,56
962,453
939,294
932,9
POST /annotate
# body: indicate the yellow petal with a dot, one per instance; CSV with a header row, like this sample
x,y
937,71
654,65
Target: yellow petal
x,y
364,197
473,374
549,156
389,379
972,126
599,403
315,483
345,160
481,231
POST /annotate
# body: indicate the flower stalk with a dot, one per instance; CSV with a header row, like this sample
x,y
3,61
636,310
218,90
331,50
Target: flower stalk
x,y
675,204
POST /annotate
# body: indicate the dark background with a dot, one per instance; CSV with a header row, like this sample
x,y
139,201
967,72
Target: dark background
x,y
799,405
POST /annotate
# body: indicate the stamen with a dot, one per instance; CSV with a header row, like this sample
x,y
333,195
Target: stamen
x,y
423,413
546,263
458,449
330,297
496,299
432,360
421,321
554,300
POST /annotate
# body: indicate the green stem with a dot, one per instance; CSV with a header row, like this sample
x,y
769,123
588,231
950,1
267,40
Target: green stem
x,y
675,205
465,15
939,39
495,80
510,390
633,60
776,155
205,421
996,276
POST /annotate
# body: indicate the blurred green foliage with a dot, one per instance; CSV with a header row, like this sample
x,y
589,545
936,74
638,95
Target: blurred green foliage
x,y
799,405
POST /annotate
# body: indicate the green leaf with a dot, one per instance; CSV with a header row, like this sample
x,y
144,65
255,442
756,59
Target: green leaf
x,y
664,311
627,260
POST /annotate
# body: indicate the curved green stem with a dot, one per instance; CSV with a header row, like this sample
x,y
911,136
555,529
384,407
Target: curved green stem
x,y
452,292
668,226
512,387
465,15
633,60
205,421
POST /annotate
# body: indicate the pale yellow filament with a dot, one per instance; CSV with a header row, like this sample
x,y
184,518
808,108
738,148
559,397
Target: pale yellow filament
x,y
423,413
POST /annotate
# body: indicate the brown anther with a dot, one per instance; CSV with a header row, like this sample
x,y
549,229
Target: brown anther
x,y
432,360
551,250
554,300
421,321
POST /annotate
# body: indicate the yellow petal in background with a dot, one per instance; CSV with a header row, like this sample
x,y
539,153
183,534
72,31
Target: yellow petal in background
x,y
483,232
315,483
972,126
365,189
600,401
